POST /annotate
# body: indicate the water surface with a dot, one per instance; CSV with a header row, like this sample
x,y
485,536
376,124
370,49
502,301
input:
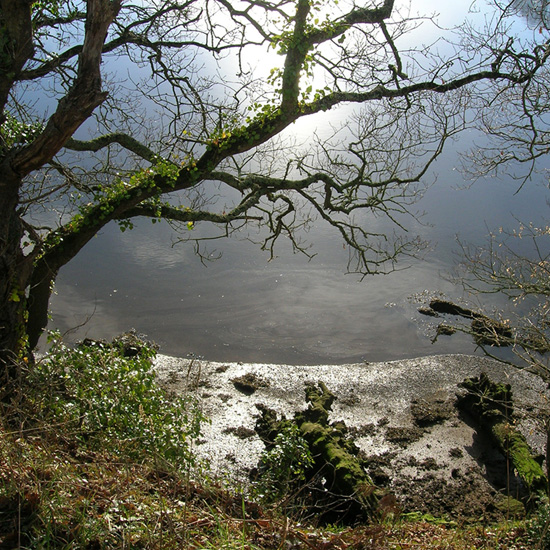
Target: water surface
x,y
243,307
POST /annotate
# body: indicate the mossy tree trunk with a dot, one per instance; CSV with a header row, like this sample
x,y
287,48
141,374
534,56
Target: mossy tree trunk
x,y
491,405
348,494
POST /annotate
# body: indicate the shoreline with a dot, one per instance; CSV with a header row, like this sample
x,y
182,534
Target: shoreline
x,y
377,402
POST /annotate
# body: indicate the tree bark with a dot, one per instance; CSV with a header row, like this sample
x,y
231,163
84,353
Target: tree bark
x,y
17,46
73,109
82,98
15,270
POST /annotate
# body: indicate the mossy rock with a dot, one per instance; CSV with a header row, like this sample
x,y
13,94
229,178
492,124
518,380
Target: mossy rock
x,y
485,398
445,330
509,505
447,307
249,383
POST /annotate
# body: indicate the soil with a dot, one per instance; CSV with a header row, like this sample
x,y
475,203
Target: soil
x,y
402,415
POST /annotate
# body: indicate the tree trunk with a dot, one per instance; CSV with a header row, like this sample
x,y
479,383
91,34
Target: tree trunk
x,y
15,270
348,494
491,405
39,299
73,109
16,48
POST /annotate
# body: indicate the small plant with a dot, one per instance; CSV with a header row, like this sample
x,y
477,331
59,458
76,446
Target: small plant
x,y
105,397
95,454
284,465
538,527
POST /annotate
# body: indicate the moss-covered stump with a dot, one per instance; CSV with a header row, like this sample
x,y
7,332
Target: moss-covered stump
x,y
338,486
491,405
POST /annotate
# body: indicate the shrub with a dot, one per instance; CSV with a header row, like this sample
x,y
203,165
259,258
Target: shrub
x,y
539,527
284,465
105,398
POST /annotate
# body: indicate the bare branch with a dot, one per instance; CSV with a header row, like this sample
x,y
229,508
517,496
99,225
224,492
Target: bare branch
x,y
124,140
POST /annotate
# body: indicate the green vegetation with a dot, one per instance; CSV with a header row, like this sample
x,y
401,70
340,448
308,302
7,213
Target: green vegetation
x,y
328,473
93,454
284,465
105,397
539,526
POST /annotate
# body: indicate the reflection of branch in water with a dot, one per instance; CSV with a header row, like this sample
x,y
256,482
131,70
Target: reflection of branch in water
x,y
79,326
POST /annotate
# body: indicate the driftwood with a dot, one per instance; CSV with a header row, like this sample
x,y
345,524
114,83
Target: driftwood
x,y
491,405
485,330
340,487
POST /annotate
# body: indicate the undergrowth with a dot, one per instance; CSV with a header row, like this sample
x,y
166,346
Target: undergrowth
x,y
95,455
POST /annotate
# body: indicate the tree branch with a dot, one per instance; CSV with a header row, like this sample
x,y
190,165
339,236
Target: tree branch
x,y
81,100
124,140
355,17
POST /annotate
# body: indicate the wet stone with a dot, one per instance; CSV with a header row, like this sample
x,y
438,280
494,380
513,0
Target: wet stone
x,y
432,410
249,383
403,435
242,432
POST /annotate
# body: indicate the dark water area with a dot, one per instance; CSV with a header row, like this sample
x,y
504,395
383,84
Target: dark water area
x,y
243,307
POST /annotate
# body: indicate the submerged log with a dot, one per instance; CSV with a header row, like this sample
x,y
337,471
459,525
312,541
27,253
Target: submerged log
x,y
491,405
347,493
490,332
485,330
450,308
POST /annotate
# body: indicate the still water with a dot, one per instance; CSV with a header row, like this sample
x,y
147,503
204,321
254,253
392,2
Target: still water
x,y
243,307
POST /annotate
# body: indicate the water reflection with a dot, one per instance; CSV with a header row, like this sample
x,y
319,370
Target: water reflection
x,y
244,308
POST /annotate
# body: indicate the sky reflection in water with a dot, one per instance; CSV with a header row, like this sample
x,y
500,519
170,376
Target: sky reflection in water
x,y
243,307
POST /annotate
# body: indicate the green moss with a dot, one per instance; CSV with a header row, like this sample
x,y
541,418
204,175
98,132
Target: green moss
x,y
516,446
509,505
335,457
486,398
491,405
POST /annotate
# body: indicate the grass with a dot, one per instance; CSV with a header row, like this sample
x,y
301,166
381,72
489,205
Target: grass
x,y
93,455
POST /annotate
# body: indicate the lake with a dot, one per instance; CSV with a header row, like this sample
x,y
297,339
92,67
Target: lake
x,y
243,307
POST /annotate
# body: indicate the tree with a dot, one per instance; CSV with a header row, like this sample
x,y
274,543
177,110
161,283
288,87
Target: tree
x,y
86,153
